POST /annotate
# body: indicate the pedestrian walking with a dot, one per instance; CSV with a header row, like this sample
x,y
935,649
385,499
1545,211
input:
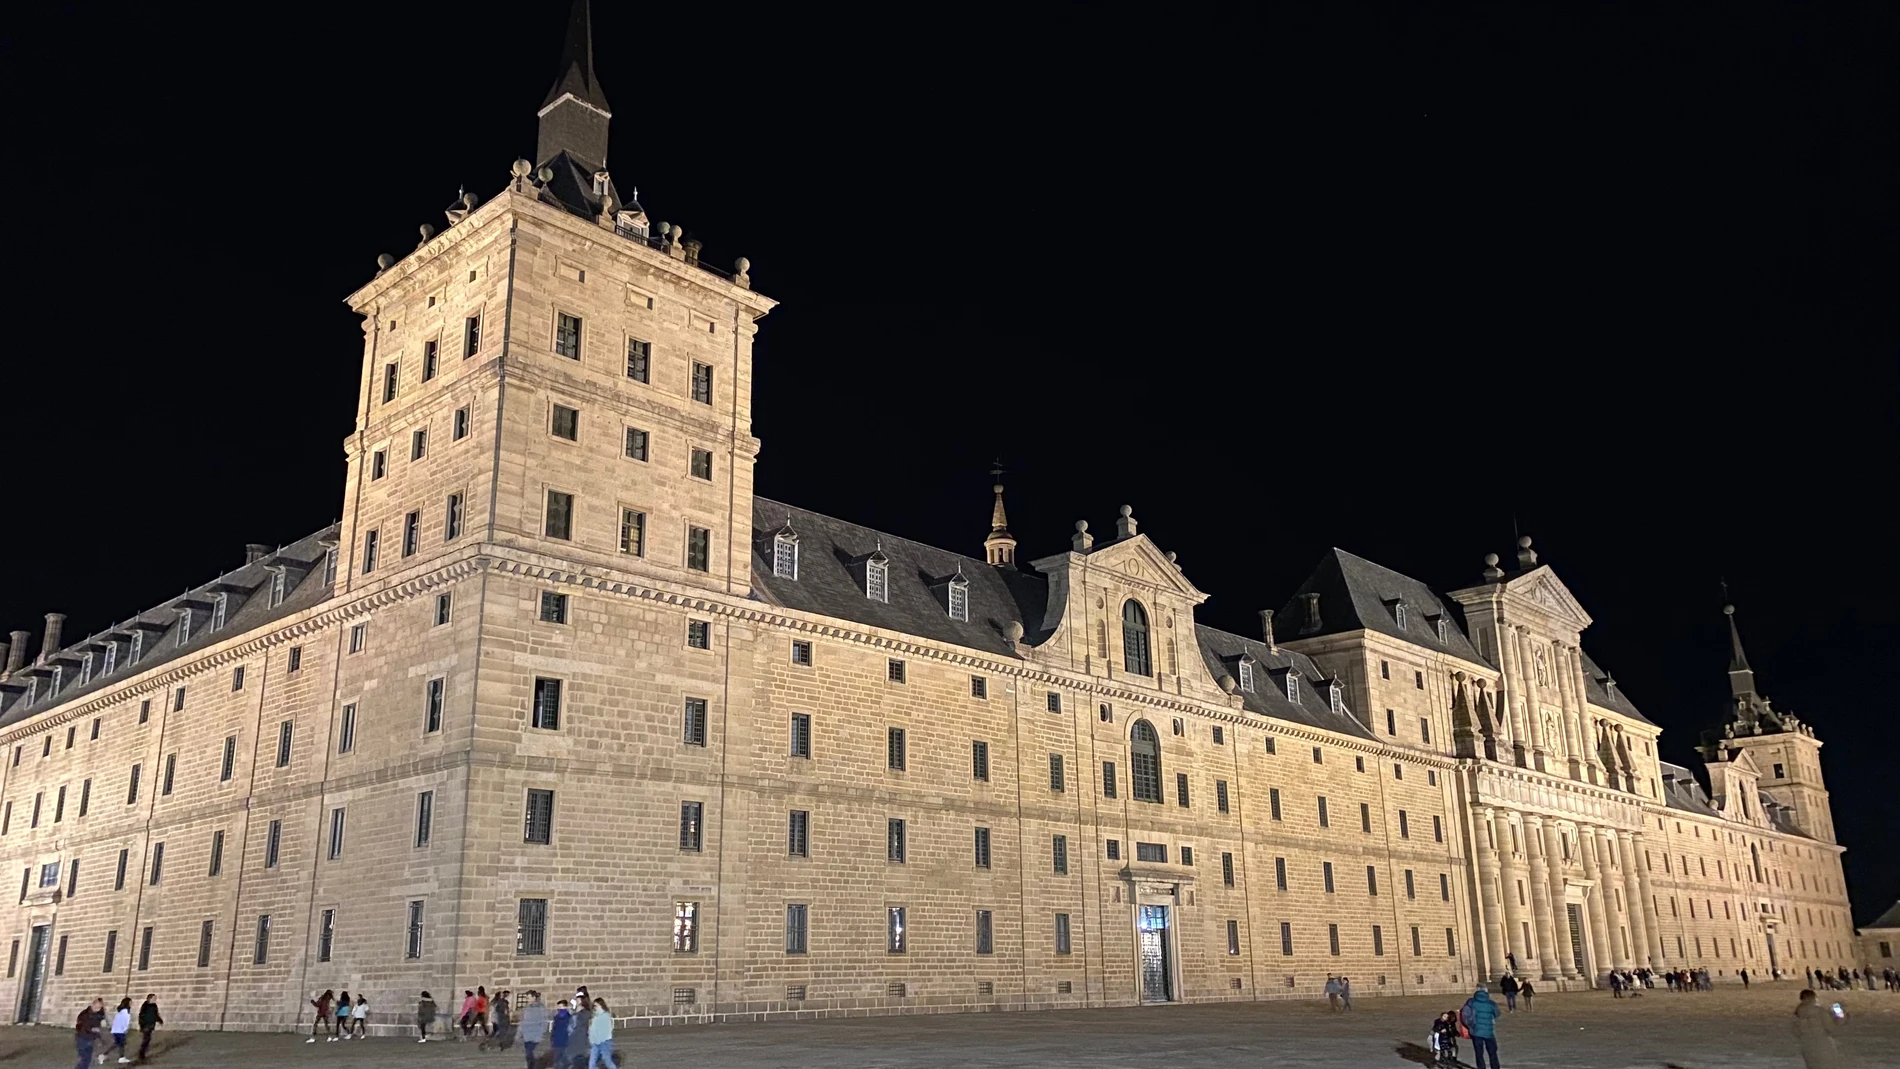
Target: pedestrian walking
x,y
1332,993
501,1011
1525,991
533,1025
1345,992
481,1013
121,1024
1511,960
1814,1030
149,1020
583,1020
1508,988
425,1016
560,1031
600,1037
322,1020
1616,986
341,1028
86,1031
359,1018
1744,979
466,1019
1479,1016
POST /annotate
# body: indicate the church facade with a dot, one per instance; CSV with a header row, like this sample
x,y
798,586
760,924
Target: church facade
x,y
562,700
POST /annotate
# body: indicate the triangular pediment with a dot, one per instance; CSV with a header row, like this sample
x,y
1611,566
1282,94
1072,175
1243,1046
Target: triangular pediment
x,y
1746,761
1541,588
1143,562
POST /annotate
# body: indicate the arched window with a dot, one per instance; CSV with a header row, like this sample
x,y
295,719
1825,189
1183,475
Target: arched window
x,y
1135,639
1144,758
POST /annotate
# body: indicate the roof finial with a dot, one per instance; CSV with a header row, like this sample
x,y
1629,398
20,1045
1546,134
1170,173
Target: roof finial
x,y
1000,547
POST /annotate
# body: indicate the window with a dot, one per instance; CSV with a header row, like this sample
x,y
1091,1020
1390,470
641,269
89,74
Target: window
x,y
1113,848
112,951
336,833
693,723
639,360
273,843
538,820
59,805
1438,830
1157,852
896,934
685,927
785,555
633,533
1332,938
702,383
1246,675
1451,943
702,464
217,853
981,856
1233,937
85,797
378,465
699,549
565,423
452,519
699,634
798,833
178,700
801,653
1055,773
801,735
411,533
894,844
958,595
204,945
1324,822
1778,773
636,447
391,379
531,927
1418,680
1385,670
346,734
877,577
985,936
691,837
412,945
125,859
237,683
1410,890
1181,789
797,928
458,425
432,705
370,543
431,356
1365,817
471,336
418,443
1187,855
165,788
547,704
326,934
553,607
1378,941
1060,855
980,760
894,670
1135,639
1062,933
560,516
158,864
1405,825
228,764
260,950
1108,779
1144,762
1318,757
1425,730
567,335
359,638
284,731
1372,880
1273,802
1326,875
1286,939
894,754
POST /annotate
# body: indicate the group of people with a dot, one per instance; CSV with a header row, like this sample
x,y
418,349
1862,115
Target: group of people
x,y
1338,992
345,1018
1512,989
584,1021
87,1034
1844,978
1476,1020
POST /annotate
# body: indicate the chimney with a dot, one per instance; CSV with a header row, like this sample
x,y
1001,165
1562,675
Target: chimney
x,y
50,644
1125,526
1526,556
254,552
16,651
5,651
1266,630
1312,623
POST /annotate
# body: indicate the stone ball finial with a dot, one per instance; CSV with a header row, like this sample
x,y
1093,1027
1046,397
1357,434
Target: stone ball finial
x,y
385,262
1171,556
522,169
1081,526
1013,631
662,228
1524,542
1490,560
1227,684
545,174
1728,610
470,200
1127,511
426,231
741,265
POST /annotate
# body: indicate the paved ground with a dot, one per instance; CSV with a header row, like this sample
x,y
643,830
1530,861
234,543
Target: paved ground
x,y
1728,1029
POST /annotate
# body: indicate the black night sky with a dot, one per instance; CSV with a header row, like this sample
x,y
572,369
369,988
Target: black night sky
x,y
1388,279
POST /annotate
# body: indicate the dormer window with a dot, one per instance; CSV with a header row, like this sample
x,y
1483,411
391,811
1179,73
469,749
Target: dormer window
x,y
112,658
184,626
785,554
219,605
85,668
877,576
278,581
959,597
1336,694
1398,612
1246,674
1293,687
329,565
138,647
59,677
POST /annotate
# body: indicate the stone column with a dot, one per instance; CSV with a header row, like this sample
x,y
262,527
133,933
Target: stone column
x,y
1490,893
1533,717
1576,731
1652,921
1598,910
1511,693
1554,887
1621,933
1539,889
1510,874
1573,671
1633,902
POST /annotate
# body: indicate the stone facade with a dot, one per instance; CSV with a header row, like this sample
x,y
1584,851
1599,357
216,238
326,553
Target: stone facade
x,y
561,700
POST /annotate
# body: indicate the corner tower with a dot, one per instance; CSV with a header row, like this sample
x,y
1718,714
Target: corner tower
x,y
1782,747
553,374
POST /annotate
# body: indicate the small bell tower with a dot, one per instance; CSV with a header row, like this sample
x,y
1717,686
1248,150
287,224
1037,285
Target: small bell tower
x,y
1000,547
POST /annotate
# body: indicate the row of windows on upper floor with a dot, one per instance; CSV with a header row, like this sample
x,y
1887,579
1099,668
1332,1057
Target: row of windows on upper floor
x,y
566,342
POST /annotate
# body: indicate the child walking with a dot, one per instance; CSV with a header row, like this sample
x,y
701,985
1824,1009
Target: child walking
x,y
121,1024
425,1016
359,1018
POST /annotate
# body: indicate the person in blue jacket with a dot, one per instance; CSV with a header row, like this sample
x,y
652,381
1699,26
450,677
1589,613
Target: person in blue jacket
x,y
560,1030
1480,1017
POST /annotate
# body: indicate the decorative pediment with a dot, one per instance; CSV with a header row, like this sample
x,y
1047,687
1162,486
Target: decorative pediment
x,y
1541,589
1141,561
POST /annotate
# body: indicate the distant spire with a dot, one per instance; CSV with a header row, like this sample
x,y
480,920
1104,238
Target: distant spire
x,y
574,116
1000,547
1737,659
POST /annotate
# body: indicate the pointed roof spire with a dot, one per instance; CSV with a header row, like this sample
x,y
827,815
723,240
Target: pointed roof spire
x,y
1737,659
1000,547
577,61
575,114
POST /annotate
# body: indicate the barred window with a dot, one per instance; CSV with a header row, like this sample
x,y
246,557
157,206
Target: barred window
x,y
985,936
260,950
797,928
538,820
980,760
798,834
553,607
1055,773
1227,869
204,944
693,726
531,926
1062,933
1060,854
894,845
982,848
801,735
425,817
284,732
685,927
896,933
894,755
547,704
1108,779
412,946
1220,795
690,825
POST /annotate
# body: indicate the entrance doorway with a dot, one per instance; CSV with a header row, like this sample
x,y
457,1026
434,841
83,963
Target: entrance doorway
x,y
35,975
1157,961
1575,913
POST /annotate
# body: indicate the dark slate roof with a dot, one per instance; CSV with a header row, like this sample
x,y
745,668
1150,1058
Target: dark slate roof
x,y
1599,695
1682,790
577,61
248,607
572,187
1889,919
1356,594
1221,650
829,583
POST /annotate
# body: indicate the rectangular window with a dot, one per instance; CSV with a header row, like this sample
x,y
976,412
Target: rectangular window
x,y
165,788
59,805
553,607
1378,941
85,797
1391,721
896,932
432,705
471,336
981,854
237,683
411,534
560,516
260,949
633,533
346,733
1220,795
693,722
801,653
1416,952
798,833
1156,852
894,845
273,843
370,543
1438,830
1332,938
1411,891
1108,779
1062,933
1365,817
178,700
565,423
1273,802
691,837
979,687
531,926
639,360
1279,873
1372,880
1060,852
699,549
636,444
326,934
392,378
431,359
980,760
359,638
336,833
894,755
1181,788
217,853
1323,821
204,945
685,927
1425,730
702,464
567,335
1405,825
125,860
412,945
547,704
797,928
1451,943
444,605
1187,855
1055,773
1444,887
801,735
538,821
284,732
1233,937
1113,847
458,426
452,519
1326,873
699,634
112,951
72,878
702,383
228,763
418,443
1286,939
145,948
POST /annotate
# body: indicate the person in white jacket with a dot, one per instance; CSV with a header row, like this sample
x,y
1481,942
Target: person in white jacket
x,y
600,1037
121,1024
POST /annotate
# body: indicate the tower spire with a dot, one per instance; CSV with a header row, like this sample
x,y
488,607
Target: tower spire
x,y
1000,547
575,114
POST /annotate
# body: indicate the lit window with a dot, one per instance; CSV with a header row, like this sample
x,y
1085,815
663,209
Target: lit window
x,y
785,554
